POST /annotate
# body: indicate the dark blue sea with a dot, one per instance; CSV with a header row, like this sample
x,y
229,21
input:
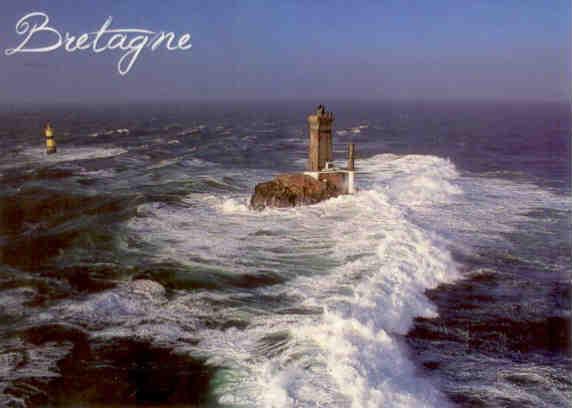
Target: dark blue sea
x,y
132,271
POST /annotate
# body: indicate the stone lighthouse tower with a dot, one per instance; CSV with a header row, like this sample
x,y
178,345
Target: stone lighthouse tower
x,y
321,181
320,149
320,153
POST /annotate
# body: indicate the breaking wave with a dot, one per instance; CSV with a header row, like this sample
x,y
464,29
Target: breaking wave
x,y
305,307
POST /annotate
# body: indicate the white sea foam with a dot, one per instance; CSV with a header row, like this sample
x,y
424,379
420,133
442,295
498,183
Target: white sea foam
x,y
196,162
471,210
66,153
136,309
103,173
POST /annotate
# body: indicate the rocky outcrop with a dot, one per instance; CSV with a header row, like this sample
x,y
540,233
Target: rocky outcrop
x,y
291,190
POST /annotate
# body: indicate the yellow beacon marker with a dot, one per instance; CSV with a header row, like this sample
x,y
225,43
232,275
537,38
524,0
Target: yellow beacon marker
x,y
50,142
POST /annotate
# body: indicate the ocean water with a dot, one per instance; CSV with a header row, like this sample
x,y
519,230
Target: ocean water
x,y
132,271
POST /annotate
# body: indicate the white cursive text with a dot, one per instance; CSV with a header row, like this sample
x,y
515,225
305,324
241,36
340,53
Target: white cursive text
x,y
35,27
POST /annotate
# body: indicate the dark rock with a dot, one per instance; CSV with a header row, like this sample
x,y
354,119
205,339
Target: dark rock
x,y
291,190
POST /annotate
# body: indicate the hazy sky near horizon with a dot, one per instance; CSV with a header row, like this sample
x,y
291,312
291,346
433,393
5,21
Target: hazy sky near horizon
x,y
256,49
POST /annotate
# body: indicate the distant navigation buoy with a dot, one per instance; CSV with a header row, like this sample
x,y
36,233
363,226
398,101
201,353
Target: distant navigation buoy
x,y
50,141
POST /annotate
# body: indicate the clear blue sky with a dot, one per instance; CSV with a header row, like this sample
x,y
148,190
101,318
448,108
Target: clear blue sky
x,y
256,49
